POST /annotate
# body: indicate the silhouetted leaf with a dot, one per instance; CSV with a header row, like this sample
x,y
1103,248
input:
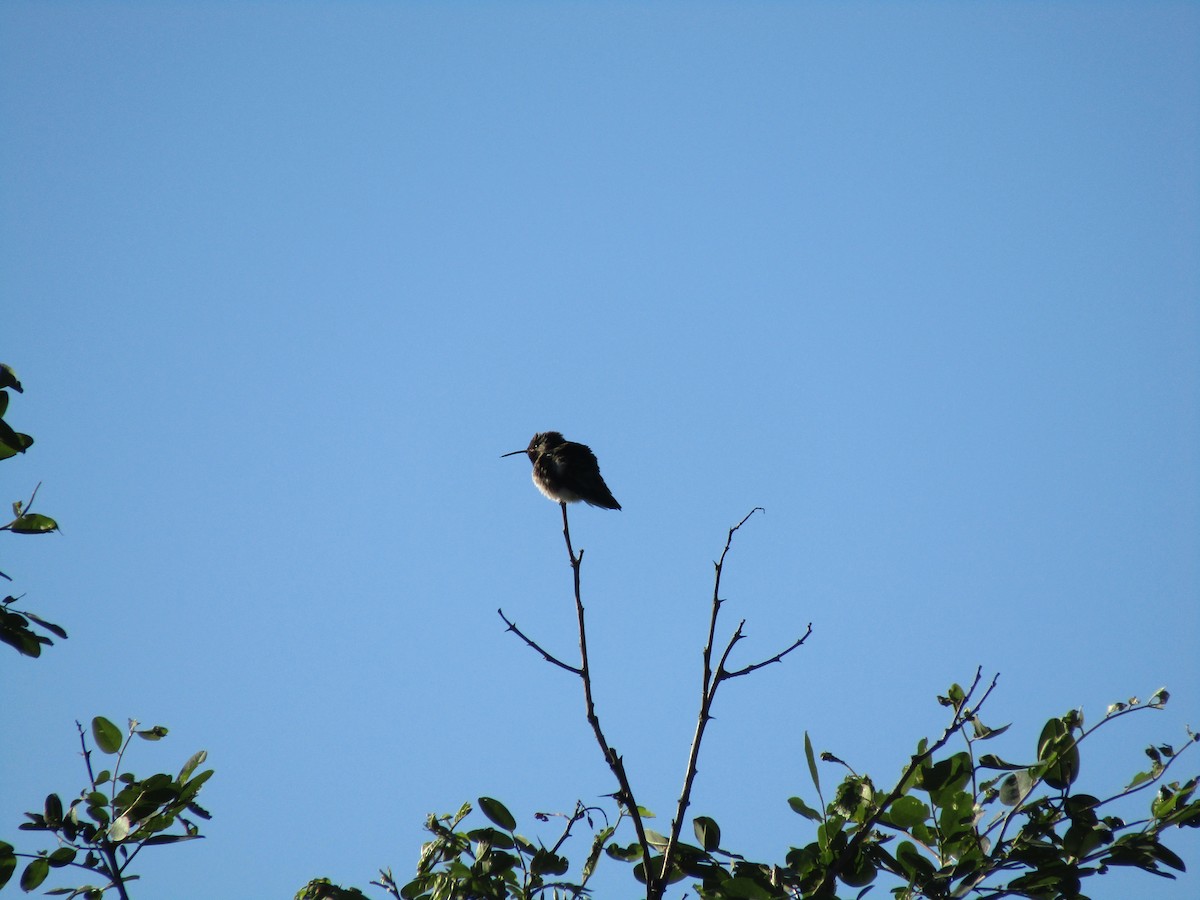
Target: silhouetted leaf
x,y
860,871
21,638
35,873
63,856
1166,857
49,626
498,813
170,838
8,379
12,442
708,833
991,761
1056,746
546,863
53,810
8,862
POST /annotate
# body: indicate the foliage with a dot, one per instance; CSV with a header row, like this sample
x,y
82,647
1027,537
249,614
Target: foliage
x,y
113,819
17,625
955,824
15,629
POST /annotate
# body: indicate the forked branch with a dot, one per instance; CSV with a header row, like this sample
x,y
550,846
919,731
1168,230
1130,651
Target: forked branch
x,y
708,692
616,764
658,877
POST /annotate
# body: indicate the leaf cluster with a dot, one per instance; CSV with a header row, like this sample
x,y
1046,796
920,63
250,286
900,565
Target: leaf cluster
x,y
956,823
17,627
490,863
113,818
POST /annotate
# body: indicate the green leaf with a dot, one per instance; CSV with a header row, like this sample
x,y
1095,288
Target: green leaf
x,y
170,838
916,866
984,733
1014,787
33,523
812,763
190,766
742,888
801,808
8,379
63,856
35,873
991,761
157,733
491,837
624,854
907,812
1056,746
119,829
546,863
598,843
956,695
8,863
860,871
53,810
957,814
498,813
3,402
1165,856
106,734
946,777
49,626
12,442
656,840
708,833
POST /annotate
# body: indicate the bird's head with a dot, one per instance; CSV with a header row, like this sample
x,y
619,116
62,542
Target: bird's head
x,y
539,444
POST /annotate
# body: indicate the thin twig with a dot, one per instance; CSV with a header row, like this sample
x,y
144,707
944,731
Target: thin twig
x,y
87,754
579,813
708,691
614,760
778,657
546,655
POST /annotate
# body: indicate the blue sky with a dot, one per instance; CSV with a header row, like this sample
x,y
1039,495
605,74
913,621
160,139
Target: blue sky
x,y
284,280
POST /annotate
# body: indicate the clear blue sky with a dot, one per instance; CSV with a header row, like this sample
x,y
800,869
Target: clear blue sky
x,y
284,280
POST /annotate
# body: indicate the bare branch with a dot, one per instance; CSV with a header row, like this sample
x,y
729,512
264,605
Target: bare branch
x,y
778,657
549,657
615,763
708,692
733,639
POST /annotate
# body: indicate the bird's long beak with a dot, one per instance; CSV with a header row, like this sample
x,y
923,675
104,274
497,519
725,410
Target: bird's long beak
x,y
514,453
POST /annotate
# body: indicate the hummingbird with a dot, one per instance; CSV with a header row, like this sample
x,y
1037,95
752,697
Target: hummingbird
x,y
566,472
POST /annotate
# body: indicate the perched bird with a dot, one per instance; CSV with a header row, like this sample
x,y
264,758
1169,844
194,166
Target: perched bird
x,y
566,472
